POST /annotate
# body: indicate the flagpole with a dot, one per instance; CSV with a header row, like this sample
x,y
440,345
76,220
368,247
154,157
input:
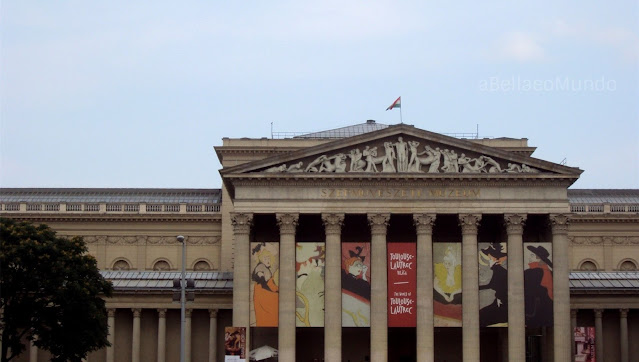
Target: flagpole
x,y
401,120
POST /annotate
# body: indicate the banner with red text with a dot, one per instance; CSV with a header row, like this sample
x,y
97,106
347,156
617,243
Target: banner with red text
x,y
402,284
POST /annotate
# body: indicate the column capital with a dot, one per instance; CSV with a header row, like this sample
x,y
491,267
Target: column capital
x,y
241,222
515,223
424,223
213,313
136,312
287,223
111,312
598,313
188,313
333,223
623,313
162,312
469,223
559,223
378,223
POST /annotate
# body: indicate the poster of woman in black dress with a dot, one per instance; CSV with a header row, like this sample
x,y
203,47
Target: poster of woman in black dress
x,y
356,285
493,288
538,293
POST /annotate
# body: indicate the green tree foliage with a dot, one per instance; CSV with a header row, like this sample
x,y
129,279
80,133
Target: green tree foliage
x,y
50,292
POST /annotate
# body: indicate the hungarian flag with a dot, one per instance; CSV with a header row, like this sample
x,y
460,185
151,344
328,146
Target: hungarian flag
x,y
396,104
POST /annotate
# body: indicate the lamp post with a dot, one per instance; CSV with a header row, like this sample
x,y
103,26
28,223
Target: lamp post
x,y
180,239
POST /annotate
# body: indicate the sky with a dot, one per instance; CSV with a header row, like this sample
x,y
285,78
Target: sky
x,y
137,94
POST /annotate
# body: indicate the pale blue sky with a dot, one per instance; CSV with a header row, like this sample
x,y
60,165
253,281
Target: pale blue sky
x,y
136,94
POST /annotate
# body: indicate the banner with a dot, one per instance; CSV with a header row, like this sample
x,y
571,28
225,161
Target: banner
x,y
493,285
235,344
447,293
309,292
264,291
402,284
585,344
356,285
538,288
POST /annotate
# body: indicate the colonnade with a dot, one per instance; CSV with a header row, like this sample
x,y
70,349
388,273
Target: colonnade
x,y
161,336
600,351
378,223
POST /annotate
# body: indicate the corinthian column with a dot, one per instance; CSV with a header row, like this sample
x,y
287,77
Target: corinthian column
x,y
379,321
111,337
213,335
161,335
332,287
135,348
470,287
599,341
561,288
286,330
425,331
623,334
516,313
241,276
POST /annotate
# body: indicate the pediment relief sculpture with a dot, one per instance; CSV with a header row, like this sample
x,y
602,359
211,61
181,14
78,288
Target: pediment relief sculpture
x,y
403,156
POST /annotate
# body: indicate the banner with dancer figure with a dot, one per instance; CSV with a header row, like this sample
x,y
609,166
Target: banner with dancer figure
x,y
447,294
264,291
309,287
356,285
538,289
493,285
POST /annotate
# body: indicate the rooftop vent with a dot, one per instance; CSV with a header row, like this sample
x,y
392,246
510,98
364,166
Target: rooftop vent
x,y
370,121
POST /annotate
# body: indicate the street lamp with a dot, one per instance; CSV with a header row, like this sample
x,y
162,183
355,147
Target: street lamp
x,y
180,239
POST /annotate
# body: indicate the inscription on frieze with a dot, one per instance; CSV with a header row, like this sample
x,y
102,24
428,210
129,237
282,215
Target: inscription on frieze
x,y
399,193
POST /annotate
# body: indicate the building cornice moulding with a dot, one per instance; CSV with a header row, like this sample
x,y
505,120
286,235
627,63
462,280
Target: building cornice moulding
x,y
36,217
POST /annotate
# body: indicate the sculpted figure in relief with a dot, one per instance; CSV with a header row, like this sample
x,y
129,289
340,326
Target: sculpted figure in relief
x,y
513,168
280,168
413,162
402,155
357,164
313,166
526,168
432,159
494,166
388,165
296,167
450,161
372,160
335,163
465,163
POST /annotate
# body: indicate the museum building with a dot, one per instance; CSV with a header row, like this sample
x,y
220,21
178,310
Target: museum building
x,y
368,242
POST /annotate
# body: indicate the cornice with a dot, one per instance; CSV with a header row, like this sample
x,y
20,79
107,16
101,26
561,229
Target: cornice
x,y
382,180
603,218
111,217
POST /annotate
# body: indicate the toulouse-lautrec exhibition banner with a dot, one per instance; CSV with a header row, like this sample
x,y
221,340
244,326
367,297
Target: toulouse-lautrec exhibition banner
x,y
402,284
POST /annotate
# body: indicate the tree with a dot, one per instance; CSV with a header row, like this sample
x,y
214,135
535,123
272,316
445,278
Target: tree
x,y
50,292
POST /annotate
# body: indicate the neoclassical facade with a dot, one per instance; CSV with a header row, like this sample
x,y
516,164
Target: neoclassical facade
x,y
372,242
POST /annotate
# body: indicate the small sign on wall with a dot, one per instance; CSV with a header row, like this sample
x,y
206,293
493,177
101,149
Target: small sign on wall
x,y
235,344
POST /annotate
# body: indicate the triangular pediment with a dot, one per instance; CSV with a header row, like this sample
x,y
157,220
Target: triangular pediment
x,y
401,149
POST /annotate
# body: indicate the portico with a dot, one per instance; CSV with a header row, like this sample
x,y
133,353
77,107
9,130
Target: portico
x,y
477,196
